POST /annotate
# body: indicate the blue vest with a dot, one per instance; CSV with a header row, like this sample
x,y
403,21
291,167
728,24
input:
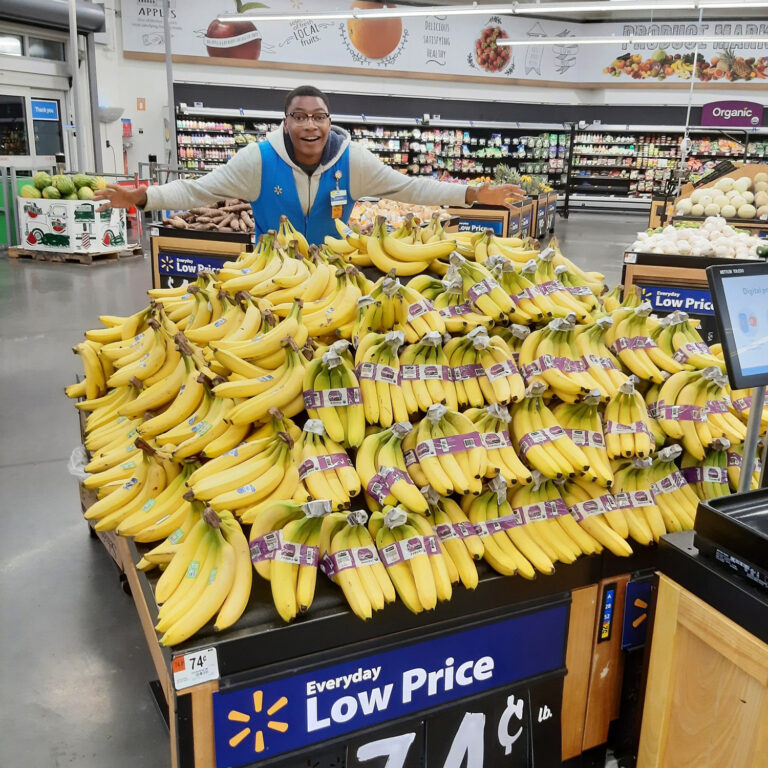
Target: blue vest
x,y
279,196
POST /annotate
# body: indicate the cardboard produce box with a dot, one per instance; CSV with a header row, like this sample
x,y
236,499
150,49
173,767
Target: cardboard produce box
x,y
73,226
478,219
527,217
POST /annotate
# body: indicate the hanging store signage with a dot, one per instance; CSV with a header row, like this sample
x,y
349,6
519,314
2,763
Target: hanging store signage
x,y
324,703
450,47
44,109
732,114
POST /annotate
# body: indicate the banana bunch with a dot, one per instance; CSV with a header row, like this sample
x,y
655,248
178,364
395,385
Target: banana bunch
x,y
693,409
388,252
161,516
162,553
412,555
480,288
508,546
426,375
611,300
461,545
349,558
583,424
287,233
455,308
380,465
735,456
651,397
630,339
282,388
595,511
209,576
325,467
578,287
350,245
515,249
595,280
465,243
675,498
484,370
378,371
634,496
709,476
331,394
492,423
433,231
740,403
541,507
551,354
514,335
688,348
531,304
450,454
542,441
627,429
251,473
397,307
602,364
542,272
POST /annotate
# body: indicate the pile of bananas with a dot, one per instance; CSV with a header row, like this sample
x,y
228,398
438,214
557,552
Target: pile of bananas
x,y
498,406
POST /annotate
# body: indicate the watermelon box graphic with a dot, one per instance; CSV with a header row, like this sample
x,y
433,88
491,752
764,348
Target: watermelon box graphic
x,y
70,225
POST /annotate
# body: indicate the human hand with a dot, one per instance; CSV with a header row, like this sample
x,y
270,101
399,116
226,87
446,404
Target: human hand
x,y
494,195
116,196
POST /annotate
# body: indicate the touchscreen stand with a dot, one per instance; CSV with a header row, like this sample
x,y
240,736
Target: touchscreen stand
x,y
740,298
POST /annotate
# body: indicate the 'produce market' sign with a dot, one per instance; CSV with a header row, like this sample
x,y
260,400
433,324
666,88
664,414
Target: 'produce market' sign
x,y
732,114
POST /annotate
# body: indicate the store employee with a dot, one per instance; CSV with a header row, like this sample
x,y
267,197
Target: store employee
x,y
308,170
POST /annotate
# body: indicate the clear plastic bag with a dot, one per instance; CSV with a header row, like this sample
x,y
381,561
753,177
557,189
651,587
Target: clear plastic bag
x,y
77,462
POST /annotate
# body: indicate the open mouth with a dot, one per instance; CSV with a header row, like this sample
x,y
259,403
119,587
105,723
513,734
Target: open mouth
x,y
310,139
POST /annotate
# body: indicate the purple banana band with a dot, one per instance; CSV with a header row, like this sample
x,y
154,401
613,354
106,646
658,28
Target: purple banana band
x,y
493,441
406,549
500,370
297,554
670,483
418,309
743,403
590,507
678,412
323,464
481,288
449,444
585,438
380,485
539,437
551,286
264,547
455,310
596,361
414,372
579,290
332,398
376,372
687,351
634,499
717,406
617,428
636,342
345,559
469,371
459,530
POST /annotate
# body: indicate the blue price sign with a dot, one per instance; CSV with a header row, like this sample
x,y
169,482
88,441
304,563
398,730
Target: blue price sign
x,y
45,110
636,607
304,709
695,301
480,225
174,264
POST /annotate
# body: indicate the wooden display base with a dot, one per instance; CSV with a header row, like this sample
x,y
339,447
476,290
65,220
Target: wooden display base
x,y
707,698
89,259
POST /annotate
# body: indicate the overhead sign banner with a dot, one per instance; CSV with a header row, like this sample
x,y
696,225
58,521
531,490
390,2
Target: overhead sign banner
x,y
732,114
310,707
449,46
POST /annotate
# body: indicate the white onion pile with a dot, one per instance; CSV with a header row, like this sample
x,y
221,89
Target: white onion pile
x,y
715,237
733,198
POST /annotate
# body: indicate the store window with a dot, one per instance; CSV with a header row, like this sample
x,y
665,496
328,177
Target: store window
x,y
46,125
40,48
13,126
12,45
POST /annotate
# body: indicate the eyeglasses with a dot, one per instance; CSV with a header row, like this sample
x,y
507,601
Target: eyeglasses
x,y
319,118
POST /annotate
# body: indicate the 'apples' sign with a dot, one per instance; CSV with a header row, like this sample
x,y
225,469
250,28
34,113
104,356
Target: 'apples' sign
x,y
732,114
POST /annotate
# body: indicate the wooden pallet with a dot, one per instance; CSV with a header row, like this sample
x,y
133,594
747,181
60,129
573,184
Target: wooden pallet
x,y
104,257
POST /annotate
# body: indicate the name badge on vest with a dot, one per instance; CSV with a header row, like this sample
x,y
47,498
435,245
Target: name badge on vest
x,y
338,201
338,198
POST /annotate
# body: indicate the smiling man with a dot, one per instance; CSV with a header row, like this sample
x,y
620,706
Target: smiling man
x,y
308,170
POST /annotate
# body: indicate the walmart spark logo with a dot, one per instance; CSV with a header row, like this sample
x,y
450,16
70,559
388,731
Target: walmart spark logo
x,y
273,725
166,263
646,295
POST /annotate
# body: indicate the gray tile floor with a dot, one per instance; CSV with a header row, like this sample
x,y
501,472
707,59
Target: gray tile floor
x,y
74,665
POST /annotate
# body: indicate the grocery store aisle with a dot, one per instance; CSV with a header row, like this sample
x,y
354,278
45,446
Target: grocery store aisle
x,y
73,682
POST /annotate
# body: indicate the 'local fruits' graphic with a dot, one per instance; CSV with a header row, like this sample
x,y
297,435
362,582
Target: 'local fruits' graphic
x,y
374,38
233,40
490,56
725,65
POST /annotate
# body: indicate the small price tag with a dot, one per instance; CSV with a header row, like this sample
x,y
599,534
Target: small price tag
x,y
630,257
154,231
195,668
